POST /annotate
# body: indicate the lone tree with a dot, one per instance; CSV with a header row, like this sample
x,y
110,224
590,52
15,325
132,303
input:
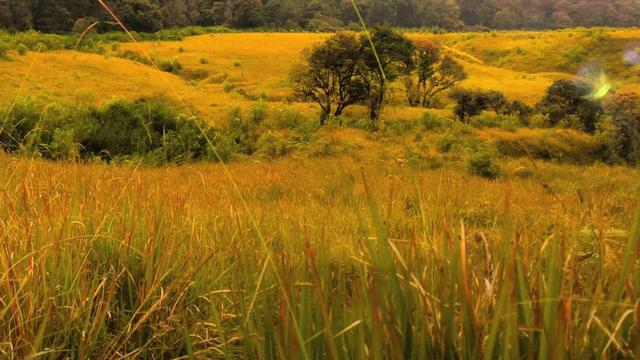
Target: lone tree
x,y
566,98
435,73
331,76
387,54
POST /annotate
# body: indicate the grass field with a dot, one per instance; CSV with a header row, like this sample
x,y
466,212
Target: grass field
x,y
255,63
377,246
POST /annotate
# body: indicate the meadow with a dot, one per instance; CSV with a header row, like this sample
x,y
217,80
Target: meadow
x,y
326,242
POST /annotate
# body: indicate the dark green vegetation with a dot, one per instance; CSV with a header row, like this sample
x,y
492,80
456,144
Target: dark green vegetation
x,y
328,15
149,128
92,42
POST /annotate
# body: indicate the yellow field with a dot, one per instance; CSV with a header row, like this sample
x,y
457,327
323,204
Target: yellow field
x,y
520,64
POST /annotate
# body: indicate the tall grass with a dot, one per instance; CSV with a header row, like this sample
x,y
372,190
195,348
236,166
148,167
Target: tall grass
x,y
108,262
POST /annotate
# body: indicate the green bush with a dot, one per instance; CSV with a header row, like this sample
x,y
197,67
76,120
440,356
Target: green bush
x,y
272,144
3,52
19,121
493,120
447,142
399,126
22,49
483,163
432,121
288,118
146,128
63,145
243,133
228,86
171,66
486,120
258,113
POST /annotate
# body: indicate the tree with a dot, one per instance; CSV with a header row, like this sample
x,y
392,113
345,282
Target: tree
x,y
51,17
469,103
140,15
330,76
567,98
624,112
435,72
387,54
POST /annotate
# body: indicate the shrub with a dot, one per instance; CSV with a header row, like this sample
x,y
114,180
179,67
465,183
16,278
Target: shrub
x,y
483,163
146,128
22,49
3,52
538,120
228,86
258,113
18,122
399,126
288,118
171,66
272,144
204,60
447,142
237,63
243,133
485,120
432,121
493,120
63,145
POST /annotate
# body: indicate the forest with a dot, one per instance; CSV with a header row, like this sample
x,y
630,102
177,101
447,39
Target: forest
x,y
314,15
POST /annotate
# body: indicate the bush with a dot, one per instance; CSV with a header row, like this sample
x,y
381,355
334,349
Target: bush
x,y
3,52
22,49
484,164
18,122
243,133
432,121
147,128
63,145
493,120
228,86
447,142
258,113
171,66
272,144
288,118
399,126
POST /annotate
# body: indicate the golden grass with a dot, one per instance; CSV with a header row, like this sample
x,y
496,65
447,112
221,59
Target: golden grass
x,y
107,262
256,63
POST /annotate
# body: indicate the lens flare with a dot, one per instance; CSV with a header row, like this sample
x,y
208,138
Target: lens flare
x,y
631,56
600,83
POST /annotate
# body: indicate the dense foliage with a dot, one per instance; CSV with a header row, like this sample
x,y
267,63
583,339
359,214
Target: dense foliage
x,y
147,128
153,15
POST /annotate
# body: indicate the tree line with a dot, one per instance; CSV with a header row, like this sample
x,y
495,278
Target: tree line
x,y
61,16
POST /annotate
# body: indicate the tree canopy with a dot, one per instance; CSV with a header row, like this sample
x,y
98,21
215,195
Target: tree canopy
x,y
320,15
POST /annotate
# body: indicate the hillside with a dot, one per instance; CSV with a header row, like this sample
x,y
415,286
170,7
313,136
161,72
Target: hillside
x,y
257,64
